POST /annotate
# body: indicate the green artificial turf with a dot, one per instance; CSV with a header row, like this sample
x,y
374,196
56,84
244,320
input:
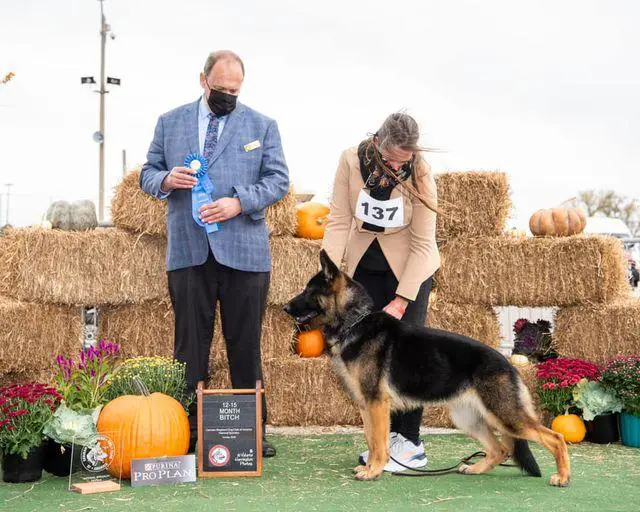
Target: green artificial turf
x,y
314,473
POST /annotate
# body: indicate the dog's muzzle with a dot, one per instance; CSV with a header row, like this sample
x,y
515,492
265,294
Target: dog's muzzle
x,y
299,319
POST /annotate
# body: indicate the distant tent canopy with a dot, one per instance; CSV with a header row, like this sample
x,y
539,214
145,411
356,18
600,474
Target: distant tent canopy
x,y
607,226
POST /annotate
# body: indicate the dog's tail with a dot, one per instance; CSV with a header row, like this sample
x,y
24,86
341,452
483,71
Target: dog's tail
x,y
523,457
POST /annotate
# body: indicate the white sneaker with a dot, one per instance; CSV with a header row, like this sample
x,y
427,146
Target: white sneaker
x,y
404,452
364,456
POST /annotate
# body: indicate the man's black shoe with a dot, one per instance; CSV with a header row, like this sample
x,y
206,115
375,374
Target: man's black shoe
x,y
268,450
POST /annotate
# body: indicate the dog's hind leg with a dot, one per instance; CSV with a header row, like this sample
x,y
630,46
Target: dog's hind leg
x,y
516,416
470,420
377,434
554,442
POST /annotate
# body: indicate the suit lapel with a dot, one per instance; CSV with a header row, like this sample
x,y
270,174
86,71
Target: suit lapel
x,y
190,120
230,129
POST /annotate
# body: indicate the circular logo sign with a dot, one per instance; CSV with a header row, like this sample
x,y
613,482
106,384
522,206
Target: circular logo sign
x,y
98,454
219,455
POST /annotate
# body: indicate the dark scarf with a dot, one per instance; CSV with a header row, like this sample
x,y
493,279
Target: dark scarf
x,y
379,185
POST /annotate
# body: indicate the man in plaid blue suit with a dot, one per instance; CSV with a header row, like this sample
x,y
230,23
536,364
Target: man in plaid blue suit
x,y
231,265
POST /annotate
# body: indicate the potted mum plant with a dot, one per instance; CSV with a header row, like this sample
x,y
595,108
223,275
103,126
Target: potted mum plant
x,y
600,407
24,411
159,375
622,375
83,385
556,380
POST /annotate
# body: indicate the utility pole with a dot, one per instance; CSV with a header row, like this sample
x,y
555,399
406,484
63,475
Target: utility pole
x,y
103,42
6,215
98,136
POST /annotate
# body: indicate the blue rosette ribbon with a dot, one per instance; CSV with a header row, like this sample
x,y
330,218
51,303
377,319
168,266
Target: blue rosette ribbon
x,y
201,193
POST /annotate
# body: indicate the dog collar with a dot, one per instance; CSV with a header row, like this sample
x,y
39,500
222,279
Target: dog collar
x,y
346,331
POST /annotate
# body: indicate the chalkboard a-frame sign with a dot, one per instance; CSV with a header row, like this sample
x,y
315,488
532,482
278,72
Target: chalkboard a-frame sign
x,y
229,431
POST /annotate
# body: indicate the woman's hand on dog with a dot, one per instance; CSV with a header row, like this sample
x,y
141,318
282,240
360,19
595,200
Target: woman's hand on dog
x,y
396,307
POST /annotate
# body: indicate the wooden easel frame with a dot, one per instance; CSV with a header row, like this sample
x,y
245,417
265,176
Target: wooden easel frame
x,y
258,391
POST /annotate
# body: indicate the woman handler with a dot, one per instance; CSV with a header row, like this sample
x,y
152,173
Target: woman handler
x,y
386,187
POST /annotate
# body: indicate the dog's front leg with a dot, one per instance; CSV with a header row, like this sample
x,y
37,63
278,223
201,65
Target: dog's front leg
x,y
367,437
376,426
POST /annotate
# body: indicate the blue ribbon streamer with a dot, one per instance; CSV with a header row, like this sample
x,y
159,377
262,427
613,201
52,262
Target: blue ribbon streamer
x,y
202,192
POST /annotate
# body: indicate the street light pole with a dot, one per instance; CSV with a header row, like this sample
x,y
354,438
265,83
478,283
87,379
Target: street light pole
x,y
98,136
103,43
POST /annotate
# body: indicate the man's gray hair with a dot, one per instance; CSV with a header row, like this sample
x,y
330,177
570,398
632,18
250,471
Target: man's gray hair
x,y
218,56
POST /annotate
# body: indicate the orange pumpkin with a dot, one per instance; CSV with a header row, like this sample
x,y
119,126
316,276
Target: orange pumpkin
x,y
570,426
312,218
558,222
151,425
310,343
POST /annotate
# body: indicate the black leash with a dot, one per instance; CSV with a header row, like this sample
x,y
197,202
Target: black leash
x,y
442,471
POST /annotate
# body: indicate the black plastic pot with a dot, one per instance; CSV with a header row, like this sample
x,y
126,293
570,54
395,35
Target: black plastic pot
x,y
15,469
603,429
57,459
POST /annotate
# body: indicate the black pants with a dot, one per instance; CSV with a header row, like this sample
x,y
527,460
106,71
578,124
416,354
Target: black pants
x,y
194,293
382,285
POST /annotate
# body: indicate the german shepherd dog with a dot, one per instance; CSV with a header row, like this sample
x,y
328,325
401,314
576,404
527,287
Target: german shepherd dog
x,y
387,365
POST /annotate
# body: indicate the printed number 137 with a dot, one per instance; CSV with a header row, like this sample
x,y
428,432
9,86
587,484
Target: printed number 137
x,y
378,213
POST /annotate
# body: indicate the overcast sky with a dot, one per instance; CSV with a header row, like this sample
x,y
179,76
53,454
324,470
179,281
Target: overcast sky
x,y
547,91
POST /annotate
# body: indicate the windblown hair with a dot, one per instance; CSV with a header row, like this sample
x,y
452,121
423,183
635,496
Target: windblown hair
x,y
402,131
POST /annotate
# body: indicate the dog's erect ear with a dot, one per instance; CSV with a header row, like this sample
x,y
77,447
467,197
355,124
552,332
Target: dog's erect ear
x,y
329,268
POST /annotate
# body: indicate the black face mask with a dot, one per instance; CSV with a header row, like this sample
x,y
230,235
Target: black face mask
x,y
221,103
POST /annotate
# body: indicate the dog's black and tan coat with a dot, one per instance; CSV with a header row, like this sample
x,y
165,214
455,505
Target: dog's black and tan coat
x,y
388,365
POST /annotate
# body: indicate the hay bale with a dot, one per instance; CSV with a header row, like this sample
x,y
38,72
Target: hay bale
x,y
147,329
437,416
295,261
134,210
306,392
472,204
508,271
282,217
598,332
278,334
32,335
104,266
475,321
6,267
44,376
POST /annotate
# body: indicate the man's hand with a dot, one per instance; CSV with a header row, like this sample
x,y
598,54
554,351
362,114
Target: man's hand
x,y
179,177
223,209
396,307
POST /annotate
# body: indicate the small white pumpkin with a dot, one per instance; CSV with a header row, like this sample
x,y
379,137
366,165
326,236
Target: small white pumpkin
x,y
519,360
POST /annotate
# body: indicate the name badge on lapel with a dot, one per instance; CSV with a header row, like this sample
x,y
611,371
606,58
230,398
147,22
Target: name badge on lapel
x,y
251,146
386,214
